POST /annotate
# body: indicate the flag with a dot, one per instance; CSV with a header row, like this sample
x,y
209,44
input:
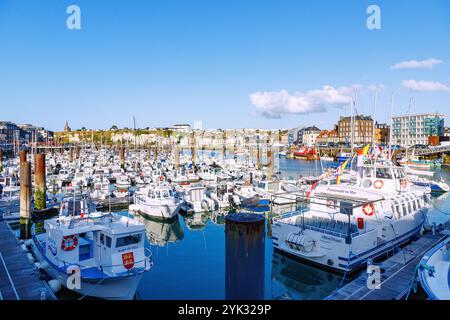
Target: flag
x,y
314,185
341,169
366,150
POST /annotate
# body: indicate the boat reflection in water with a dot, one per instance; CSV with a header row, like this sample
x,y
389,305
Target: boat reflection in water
x,y
159,232
244,256
197,221
295,280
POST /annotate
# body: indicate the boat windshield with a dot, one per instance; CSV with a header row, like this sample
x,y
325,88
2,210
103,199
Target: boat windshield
x,y
384,173
128,240
165,193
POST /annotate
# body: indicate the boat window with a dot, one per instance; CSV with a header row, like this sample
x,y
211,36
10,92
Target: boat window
x,y
128,240
171,193
158,194
368,172
150,194
399,209
346,208
262,185
410,207
414,203
165,193
384,173
108,241
418,203
102,238
405,209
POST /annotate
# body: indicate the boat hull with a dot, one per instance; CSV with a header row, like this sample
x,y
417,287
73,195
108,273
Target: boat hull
x,y
336,254
118,288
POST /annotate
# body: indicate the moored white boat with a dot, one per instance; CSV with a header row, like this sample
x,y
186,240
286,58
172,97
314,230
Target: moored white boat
x,y
106,250
345,225
434,272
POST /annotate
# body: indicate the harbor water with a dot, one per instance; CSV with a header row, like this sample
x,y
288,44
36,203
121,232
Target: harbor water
x,y
191,263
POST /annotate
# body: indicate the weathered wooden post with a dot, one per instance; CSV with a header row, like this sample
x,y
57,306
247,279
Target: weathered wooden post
x,y
270,158
39,182
235,149
193,149
1,160
244,256
177,156
258,151
122,157
224,144
23,156
25,197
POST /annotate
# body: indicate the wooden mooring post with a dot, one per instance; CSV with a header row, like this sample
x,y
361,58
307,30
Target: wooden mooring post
x,y
25,196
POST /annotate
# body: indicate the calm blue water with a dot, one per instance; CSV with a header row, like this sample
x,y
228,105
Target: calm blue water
x,y
189,256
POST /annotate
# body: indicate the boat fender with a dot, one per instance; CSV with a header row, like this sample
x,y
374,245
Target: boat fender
x,y
55,285
28,243
330,204
30,257
24,247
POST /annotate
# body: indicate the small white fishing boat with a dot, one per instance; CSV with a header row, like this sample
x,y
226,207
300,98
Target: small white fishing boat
x,y
434,272
10,194
157,201
196,200
106,250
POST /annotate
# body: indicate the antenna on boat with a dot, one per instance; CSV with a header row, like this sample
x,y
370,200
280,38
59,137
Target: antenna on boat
x,y
375,105
391,137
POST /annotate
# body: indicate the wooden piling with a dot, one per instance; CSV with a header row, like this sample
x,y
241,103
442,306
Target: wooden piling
x,y
193,149
177,156
39,181
23,156
25,199
258,151
1,159
224,144
122,157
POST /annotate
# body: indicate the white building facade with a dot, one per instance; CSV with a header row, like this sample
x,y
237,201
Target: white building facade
x,y
413,129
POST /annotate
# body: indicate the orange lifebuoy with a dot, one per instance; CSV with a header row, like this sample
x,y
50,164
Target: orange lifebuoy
x,y
69,243
379,184
369,209
161,178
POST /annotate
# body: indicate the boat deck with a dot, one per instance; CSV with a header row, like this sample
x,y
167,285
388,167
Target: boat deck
x,y
397,275
19,279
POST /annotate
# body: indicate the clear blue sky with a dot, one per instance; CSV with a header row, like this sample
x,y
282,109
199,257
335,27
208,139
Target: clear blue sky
x,y
167,61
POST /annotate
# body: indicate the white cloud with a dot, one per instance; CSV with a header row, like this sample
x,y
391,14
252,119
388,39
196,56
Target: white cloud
x,y
274,104
425,86
415,64
376,87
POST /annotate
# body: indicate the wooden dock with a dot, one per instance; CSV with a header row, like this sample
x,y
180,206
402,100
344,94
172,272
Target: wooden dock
x,y
397,275
19,279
